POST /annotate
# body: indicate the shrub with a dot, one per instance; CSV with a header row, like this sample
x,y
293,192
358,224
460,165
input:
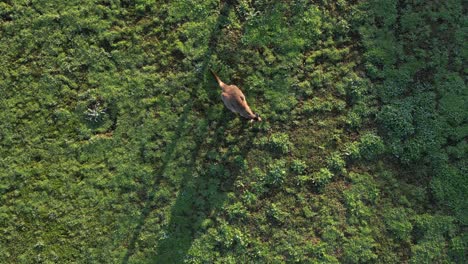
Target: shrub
x,y
276,214
353,119
370,146
249,198
398,224
281,103
336,163
450,186
458,247
276,174
278,142
360,248
352,150
241,163
355,90
237,211
229,237
322,177
397,120
298,166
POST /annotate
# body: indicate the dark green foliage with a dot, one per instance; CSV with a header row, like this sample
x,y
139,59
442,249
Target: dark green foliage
x,y
360,247
370,146
276,174
431,233
398,224
321,177
336,163
298,166
277,143
425,110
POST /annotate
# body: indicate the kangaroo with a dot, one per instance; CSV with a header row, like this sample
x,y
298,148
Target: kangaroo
x,y
235,100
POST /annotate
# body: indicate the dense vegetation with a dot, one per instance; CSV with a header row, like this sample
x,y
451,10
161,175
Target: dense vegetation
x,y
116,148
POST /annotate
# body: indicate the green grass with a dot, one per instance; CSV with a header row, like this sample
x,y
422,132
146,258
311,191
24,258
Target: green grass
x,y
116,148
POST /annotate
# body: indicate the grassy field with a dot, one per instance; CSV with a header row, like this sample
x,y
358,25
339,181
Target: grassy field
x,y
115,146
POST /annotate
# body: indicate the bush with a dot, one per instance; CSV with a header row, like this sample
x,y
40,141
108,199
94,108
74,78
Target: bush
x,y
430,233
398,223
362,193
353,119
298,166
355,90
278,142
397,120
237,211
450,186
430,251
322,177
277,173
352,150
360,248
276,214
370,146
458,247
336,163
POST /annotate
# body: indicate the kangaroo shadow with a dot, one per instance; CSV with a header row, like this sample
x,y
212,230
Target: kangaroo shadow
x,y
204,191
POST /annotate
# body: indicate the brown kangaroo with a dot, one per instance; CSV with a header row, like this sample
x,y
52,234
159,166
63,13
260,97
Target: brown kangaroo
x,y
235,100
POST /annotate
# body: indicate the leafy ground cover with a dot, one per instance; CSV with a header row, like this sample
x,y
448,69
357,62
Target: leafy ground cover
x,y
116,148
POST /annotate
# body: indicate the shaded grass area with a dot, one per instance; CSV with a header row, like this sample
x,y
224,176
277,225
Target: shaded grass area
x,y
201,195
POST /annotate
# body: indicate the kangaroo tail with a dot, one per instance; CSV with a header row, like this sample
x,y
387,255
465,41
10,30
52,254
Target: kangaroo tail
x,y
216,77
